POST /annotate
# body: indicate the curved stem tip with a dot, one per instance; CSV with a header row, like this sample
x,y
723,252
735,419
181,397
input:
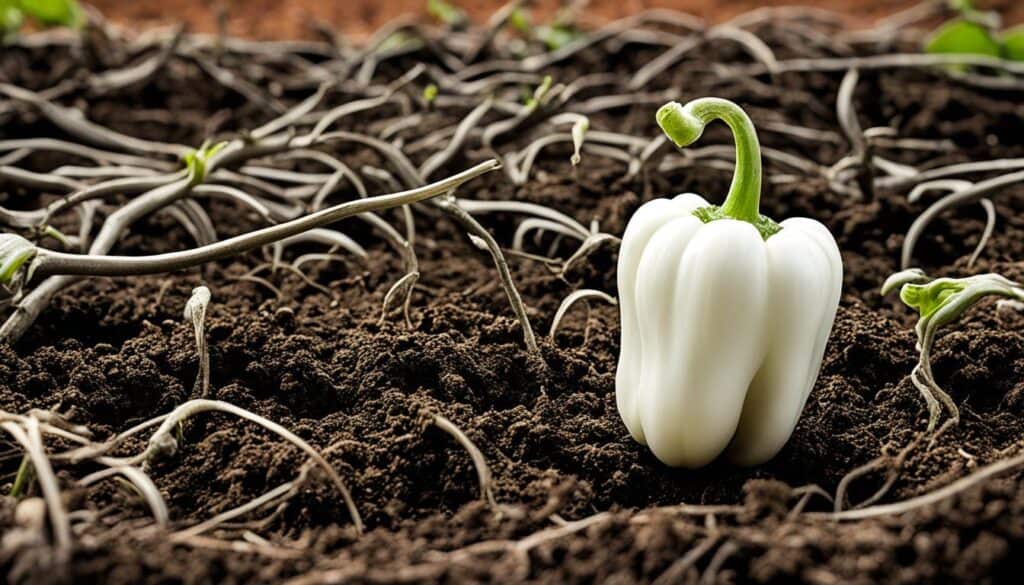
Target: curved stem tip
x,y
684,124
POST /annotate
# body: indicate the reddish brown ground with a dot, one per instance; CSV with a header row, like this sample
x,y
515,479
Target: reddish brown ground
x,y
280,19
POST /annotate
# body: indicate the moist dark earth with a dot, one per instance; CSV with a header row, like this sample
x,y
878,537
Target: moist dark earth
x,y
110,353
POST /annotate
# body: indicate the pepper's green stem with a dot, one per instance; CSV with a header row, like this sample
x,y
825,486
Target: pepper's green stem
x,y
684,124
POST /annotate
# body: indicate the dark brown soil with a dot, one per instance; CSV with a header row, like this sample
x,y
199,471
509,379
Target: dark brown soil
x,y
113,352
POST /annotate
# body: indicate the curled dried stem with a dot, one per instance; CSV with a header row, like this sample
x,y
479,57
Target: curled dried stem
x,y
573,298
195,311
30,439
483,471
163,442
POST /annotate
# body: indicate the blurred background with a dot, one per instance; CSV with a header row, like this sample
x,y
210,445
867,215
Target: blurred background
x,y
284,19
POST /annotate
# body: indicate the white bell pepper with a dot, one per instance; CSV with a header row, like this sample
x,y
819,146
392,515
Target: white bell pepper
x,y
725,313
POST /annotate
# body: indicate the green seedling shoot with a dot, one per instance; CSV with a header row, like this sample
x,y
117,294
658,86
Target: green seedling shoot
x,y
558,33
446,13
579,133
14,13
940,302
195,161
430,93
537,98
976,33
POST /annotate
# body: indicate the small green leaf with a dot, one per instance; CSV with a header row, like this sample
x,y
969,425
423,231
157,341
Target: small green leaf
x,y
943,300
963,37
213,150
14,252
928,298
1013,43
53,12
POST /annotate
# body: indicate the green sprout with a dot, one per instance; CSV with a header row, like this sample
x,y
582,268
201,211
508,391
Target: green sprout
x,y
579,133
519,19
196,160
430,93
534,100
975,33
556,36
963,37
58,235
558,33
22,479
447,13
1013,43
940,302
13,14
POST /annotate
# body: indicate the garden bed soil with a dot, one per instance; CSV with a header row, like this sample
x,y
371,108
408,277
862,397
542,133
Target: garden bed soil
x,y
113,352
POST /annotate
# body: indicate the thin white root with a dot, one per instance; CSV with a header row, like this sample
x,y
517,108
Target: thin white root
x,y
958,486
926,388
162,441
974,193
895,465
539,224
142,482
483,471
31,440
576,296
401,289
270,497
678,569
591,243
240,547
847,114
986,235
473,206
